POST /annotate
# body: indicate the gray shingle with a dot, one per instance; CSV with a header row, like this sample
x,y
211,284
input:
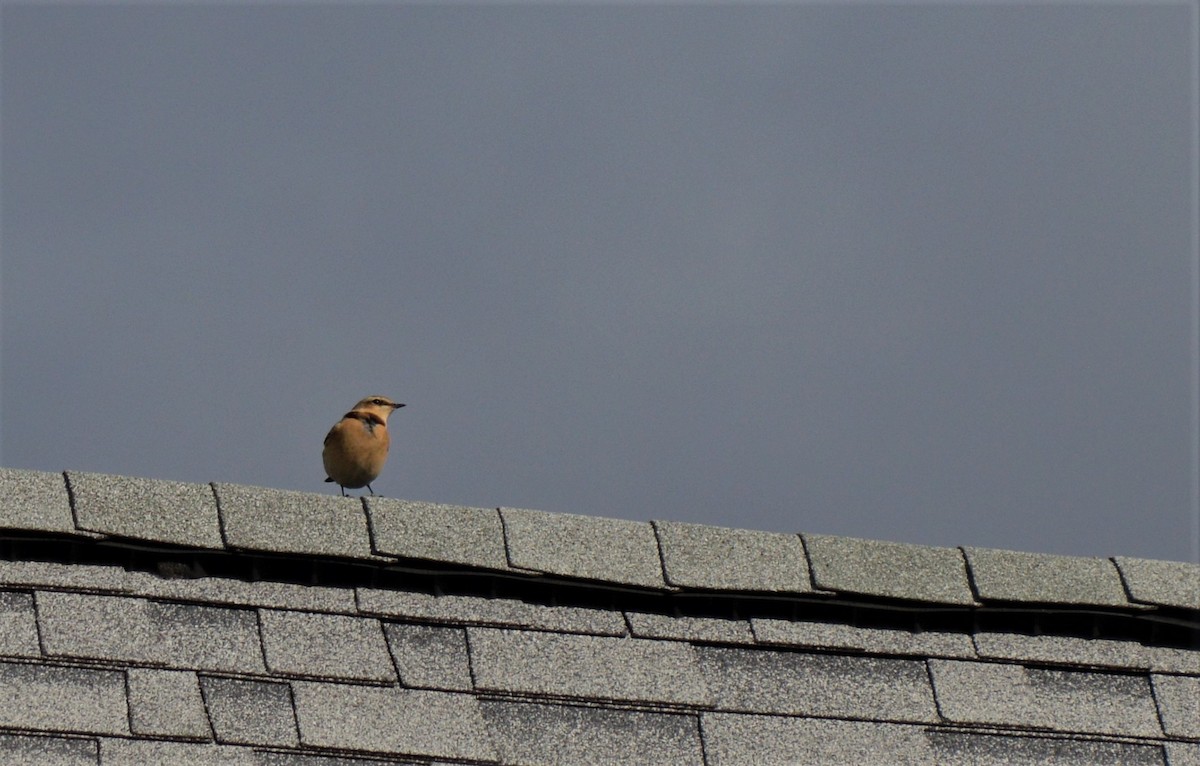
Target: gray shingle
x,y
1170,583
430,657
1169,659
267,758
166,703
35,500
261,593
706,629
16,749
277,520
1178,699
765,681
135,752
1041,578
51,576
475,610
1063,650
146,509
891,570
471,536
18,626
1183,753
250,712
1062,700
391,720
830,635
586,547
63,699
717,558
758,740
587,667
561,735
306,645
958,748
118,628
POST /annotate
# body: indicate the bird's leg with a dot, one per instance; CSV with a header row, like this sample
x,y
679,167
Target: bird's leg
x,y
343,490
372,491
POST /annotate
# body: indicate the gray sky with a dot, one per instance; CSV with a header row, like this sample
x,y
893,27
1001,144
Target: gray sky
x,y
922,273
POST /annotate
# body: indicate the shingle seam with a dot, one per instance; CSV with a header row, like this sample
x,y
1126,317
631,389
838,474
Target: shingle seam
x,y
704,740
71,499
37,624
262,644
470,660
662,556
508,543
371,533
212,485
208,716
933,690
971,583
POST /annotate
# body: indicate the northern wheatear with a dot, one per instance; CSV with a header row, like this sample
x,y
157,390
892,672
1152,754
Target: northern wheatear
x,y
357,446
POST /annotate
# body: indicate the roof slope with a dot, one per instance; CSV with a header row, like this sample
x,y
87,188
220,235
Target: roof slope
x,y
146,621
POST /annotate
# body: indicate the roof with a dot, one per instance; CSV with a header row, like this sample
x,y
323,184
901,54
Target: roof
x,y
146,621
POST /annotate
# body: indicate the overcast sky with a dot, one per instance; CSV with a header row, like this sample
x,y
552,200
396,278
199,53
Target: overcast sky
x,y
922,273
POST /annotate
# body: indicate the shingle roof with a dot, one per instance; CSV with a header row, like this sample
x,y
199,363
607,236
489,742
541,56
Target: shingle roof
x,y
156,622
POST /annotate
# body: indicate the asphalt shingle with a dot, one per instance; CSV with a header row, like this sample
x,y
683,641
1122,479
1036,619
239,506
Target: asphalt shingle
x,y
831,635
1044,579
448,533
476,610
134,752
261,593
586,667
672,637
391,720
717,558
267,758
146,509
276,520
430,657
529,734
792,683
584,547
1169,583
1063,650
304,645
18,626
19,749
890,570
117,628
702,629
759,740
46,575
166,703
250,712
1183,753
35,500
48,698
1178,699
1064,700
959,748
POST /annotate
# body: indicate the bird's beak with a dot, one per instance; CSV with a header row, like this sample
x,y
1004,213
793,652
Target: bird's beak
x,y
397,406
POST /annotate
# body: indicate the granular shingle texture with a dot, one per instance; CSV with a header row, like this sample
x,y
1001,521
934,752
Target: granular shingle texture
x,y
704,557
146,622
891,570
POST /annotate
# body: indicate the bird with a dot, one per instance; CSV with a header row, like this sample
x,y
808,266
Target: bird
x,y
357,446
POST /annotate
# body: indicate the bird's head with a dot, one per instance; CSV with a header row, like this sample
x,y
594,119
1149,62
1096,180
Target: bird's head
x,y
378,405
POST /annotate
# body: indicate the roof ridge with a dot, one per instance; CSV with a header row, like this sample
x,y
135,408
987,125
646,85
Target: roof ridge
x,y
656,557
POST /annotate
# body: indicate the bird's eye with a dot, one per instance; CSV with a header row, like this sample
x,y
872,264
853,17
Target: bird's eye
x,y
379,401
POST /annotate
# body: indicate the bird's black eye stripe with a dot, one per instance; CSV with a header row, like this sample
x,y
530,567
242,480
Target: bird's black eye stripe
x,y
379,401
